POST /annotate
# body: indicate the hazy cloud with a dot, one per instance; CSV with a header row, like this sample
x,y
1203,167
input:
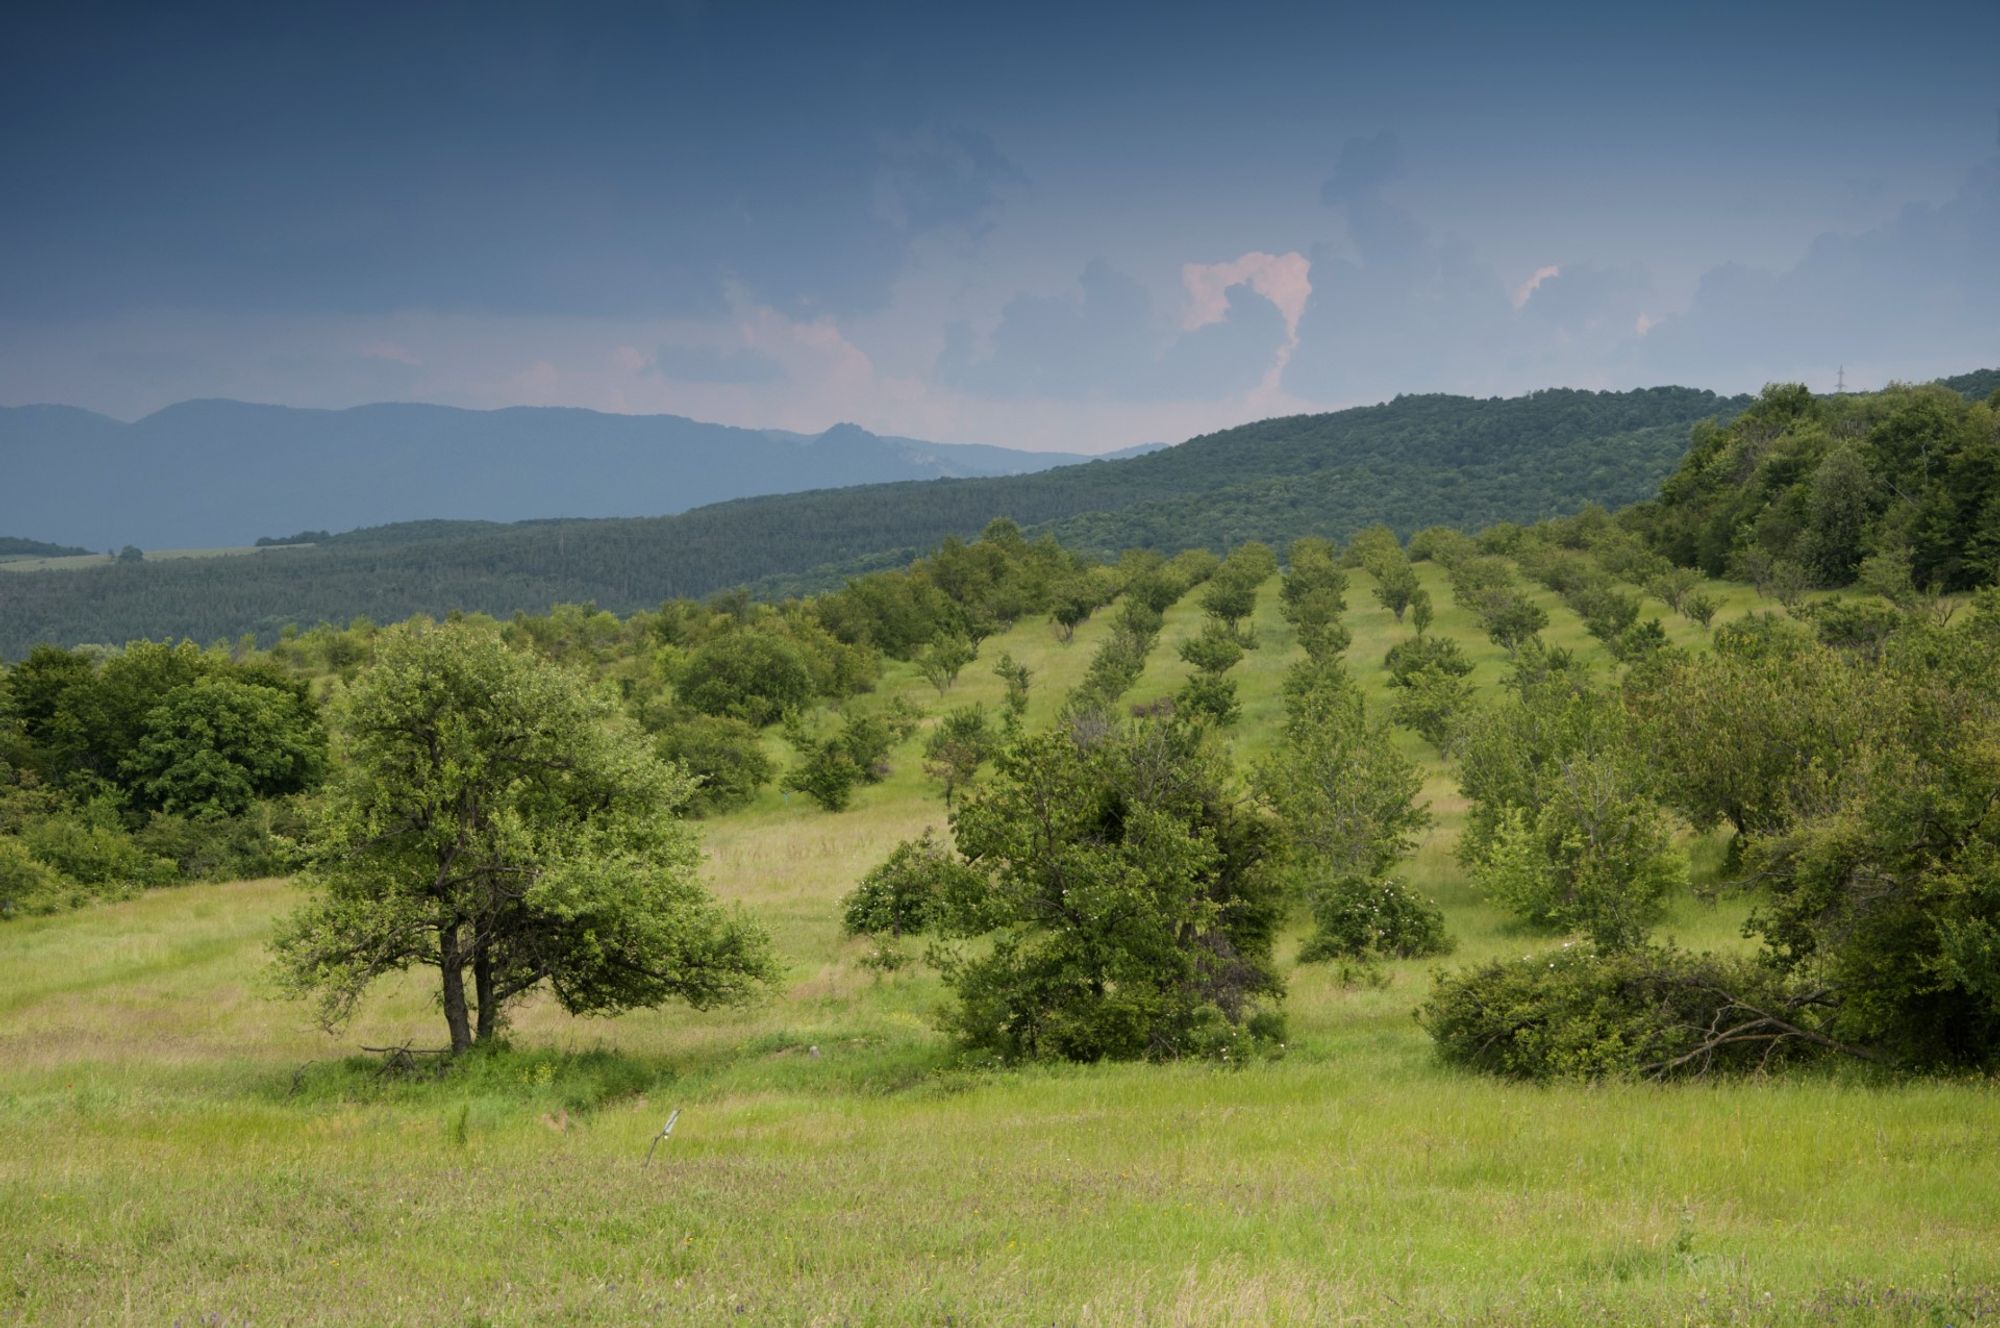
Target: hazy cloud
x,y
715,364
1105,339
1916,297
1584,300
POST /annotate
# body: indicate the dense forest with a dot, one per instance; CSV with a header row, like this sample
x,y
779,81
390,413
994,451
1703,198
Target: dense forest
x,y
1898,489
1410,462
14,547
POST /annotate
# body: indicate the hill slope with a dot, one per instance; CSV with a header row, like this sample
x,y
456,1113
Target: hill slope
x,y
208,473
1413,461
886,1182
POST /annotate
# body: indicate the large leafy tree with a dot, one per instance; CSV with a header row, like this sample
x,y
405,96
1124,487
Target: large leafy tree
x,y
1127,900
1886,897
167,727
1754,733
491,819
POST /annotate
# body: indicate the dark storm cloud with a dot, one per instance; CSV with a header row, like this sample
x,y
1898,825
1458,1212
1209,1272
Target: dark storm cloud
x,y
945,179
517,200
484,158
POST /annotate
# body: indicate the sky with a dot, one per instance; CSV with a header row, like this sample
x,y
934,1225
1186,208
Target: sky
x,y
1075,226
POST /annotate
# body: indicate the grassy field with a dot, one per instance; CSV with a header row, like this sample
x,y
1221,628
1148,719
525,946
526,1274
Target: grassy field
x,y
77,561
184,1148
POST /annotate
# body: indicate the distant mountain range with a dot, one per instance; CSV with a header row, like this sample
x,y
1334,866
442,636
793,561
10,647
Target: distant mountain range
x,y
1410,462
220,473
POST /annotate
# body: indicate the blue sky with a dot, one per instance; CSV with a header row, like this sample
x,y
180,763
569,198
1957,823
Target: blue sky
x,y
1074,226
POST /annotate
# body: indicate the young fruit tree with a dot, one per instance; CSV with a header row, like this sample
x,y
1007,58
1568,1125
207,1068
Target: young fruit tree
x,y
1127,911
492,818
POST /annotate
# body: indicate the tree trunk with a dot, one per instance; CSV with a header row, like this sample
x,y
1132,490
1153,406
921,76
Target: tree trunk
x,y
451,961
482,986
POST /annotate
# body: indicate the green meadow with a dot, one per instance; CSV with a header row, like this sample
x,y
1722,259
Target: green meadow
x,y
184,1147
79,561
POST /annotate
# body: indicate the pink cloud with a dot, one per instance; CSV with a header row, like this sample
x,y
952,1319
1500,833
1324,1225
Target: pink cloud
x,y
1527,288
1283,279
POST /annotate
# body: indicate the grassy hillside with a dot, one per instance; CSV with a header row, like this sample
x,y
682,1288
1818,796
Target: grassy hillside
x,y
77,560
184,1148
1414,461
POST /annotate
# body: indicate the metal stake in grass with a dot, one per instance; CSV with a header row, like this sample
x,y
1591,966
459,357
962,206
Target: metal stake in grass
x,y
666,1132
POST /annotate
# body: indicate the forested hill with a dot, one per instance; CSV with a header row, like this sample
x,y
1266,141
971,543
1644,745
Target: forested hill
x,y
1975,386
1417,460
205,474
14,547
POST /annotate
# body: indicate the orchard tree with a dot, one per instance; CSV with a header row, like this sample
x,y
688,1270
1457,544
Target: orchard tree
x,y
944,657
1016,676
1562,826
957,747
1754,733
492,818
1347,801
1126,899
1511,618
1071,606
1212,651
1396,585
1229,598
1421,613
1597,856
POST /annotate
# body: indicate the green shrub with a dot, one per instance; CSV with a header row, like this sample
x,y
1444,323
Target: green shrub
x,y
1577,1013
905,894
222,848
94,853
26,884
726,755
1418,653
827,775
751,676
1356,918
1597,857
1210,697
